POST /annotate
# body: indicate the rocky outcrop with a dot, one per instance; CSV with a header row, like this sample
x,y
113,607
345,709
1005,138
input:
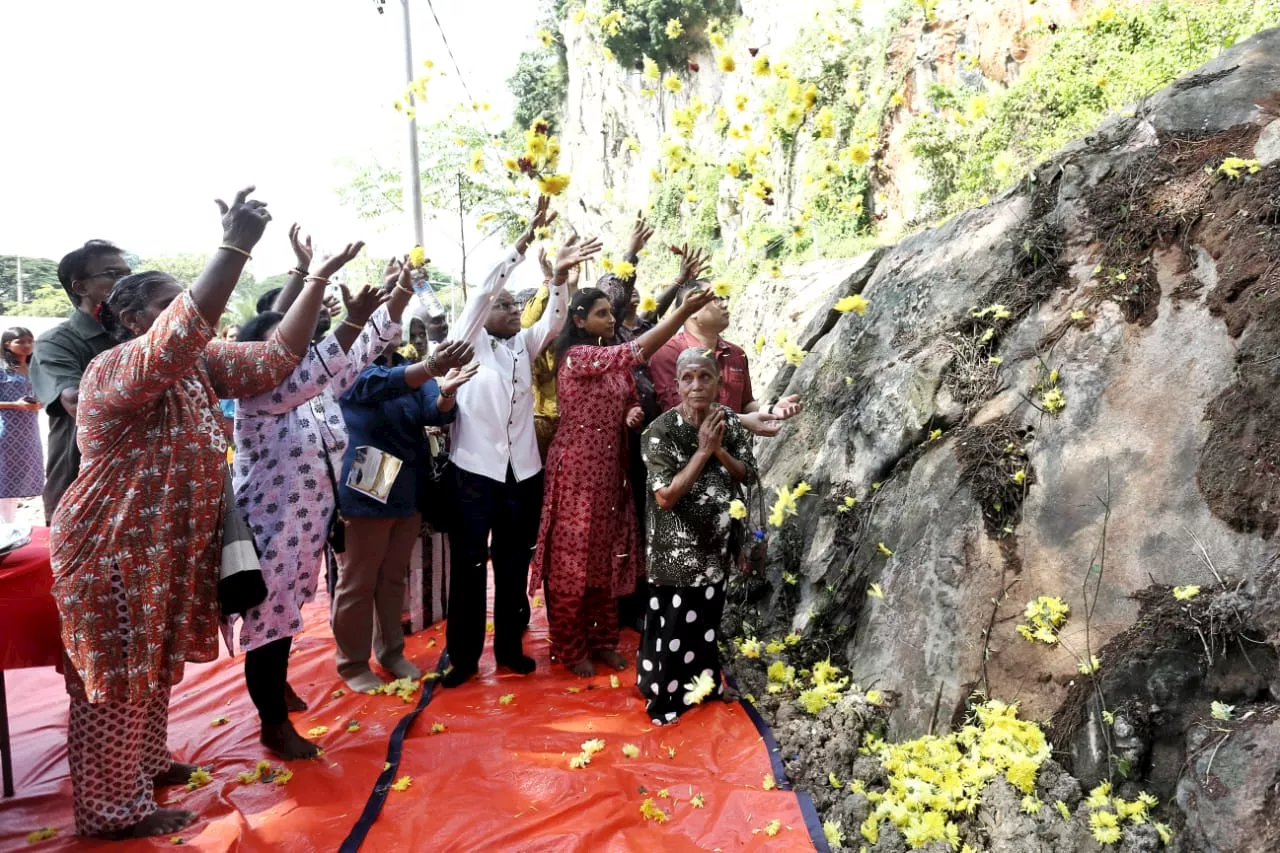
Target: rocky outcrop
x,y
983,43
1068,392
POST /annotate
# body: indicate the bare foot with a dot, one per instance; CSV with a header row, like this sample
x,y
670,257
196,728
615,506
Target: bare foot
x,y
730,694
582,668
284,741
177,774
159,822
611,658
292,700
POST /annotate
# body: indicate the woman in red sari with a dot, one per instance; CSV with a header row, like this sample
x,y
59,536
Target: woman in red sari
x,y
137,540
587,549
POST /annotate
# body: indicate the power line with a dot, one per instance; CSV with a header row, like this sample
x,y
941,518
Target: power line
x,y
454,59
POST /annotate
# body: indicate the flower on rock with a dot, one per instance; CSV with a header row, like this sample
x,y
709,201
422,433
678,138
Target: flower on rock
x,y
1186,593
855,303
1090,666
1221,711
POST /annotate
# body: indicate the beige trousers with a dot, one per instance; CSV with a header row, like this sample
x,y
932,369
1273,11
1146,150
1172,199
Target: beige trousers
x,y
369,595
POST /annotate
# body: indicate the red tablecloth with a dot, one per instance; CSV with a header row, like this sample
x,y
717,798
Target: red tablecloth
x,y
29,634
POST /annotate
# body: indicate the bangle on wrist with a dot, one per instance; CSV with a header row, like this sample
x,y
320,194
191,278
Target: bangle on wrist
x,y
448,395
237,250
403,288
299,271
318,278
346,321
431,366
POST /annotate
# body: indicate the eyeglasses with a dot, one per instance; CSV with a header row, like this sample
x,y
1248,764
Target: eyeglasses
x,y
111,273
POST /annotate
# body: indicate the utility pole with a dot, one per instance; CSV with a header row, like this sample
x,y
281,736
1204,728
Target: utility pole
x,y
412,179
18,258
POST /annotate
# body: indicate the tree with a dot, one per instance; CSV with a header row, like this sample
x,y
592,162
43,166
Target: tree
x,y
643,30
186,268
540,86
38,274
461,178
47,300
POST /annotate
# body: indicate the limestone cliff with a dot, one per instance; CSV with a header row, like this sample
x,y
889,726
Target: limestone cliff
x,y
1068,392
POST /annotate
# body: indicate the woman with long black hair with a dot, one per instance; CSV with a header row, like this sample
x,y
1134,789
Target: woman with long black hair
x,y
21,461
587,548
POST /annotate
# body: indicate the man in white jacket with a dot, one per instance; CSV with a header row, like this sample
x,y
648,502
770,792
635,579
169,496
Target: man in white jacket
x,y
495,456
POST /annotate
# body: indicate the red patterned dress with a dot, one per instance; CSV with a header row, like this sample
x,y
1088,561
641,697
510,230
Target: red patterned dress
x,y
136,546
587,548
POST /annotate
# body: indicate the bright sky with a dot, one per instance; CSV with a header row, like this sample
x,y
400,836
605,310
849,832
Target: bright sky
x,y
124,120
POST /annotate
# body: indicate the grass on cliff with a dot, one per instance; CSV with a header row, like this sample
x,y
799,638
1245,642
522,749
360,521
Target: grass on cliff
x,y
976,143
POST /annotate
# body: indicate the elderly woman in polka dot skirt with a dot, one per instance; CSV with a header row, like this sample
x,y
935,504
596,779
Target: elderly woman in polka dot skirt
x,y
698,456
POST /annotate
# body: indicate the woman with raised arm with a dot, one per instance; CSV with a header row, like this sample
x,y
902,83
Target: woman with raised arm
x,y
137,540
697,455
290,442
387,410
587,548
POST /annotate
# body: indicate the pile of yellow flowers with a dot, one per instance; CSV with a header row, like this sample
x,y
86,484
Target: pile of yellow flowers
x,y
540,159
933,779
1106,813
1045,616
827,687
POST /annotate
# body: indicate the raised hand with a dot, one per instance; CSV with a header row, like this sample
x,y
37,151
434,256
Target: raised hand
x,y
575,272
332,305
301,247
641,233
695,301
456,378
542,217
572,253
333,263
449,355
244,220
361,305
396,269
694,265
545,263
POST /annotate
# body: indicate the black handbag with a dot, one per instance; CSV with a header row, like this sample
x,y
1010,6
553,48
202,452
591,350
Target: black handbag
x,y
436,490
751,534
337,537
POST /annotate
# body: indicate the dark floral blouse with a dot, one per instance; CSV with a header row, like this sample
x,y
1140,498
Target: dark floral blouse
x,y
689,545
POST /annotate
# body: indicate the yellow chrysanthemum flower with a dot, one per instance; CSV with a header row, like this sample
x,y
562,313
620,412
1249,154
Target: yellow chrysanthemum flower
x,y
726,63
553,184
672,84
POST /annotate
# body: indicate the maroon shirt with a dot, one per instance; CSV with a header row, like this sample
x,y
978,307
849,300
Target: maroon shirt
x,y
735,375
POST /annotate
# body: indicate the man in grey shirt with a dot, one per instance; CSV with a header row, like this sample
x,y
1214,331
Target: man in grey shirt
x,y
63,352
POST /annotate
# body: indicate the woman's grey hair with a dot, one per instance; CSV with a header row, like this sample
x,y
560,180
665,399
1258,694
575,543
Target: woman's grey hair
x,y
696,355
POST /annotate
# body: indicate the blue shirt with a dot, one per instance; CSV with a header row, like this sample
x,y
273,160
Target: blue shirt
x,y
382,411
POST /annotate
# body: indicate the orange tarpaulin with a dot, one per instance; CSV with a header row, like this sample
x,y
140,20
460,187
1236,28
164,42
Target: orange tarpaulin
x,y
496,778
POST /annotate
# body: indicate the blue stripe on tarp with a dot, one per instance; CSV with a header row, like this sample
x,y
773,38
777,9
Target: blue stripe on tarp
x,y
395,746
811,820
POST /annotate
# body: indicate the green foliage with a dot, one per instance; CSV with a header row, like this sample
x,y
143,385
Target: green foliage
x,y
451,188
643,30
540,84
974,144
39,282
184,267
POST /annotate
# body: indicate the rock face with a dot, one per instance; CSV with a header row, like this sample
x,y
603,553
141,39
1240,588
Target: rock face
x,y
1100,351
985,43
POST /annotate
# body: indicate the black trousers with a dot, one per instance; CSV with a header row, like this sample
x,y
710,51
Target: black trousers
x,y
266,672
510,511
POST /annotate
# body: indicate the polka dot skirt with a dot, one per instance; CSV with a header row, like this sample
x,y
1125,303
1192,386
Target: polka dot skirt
x,y
681,627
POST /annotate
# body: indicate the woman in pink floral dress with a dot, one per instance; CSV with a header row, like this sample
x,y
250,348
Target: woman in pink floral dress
x,y
136,544
587,550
